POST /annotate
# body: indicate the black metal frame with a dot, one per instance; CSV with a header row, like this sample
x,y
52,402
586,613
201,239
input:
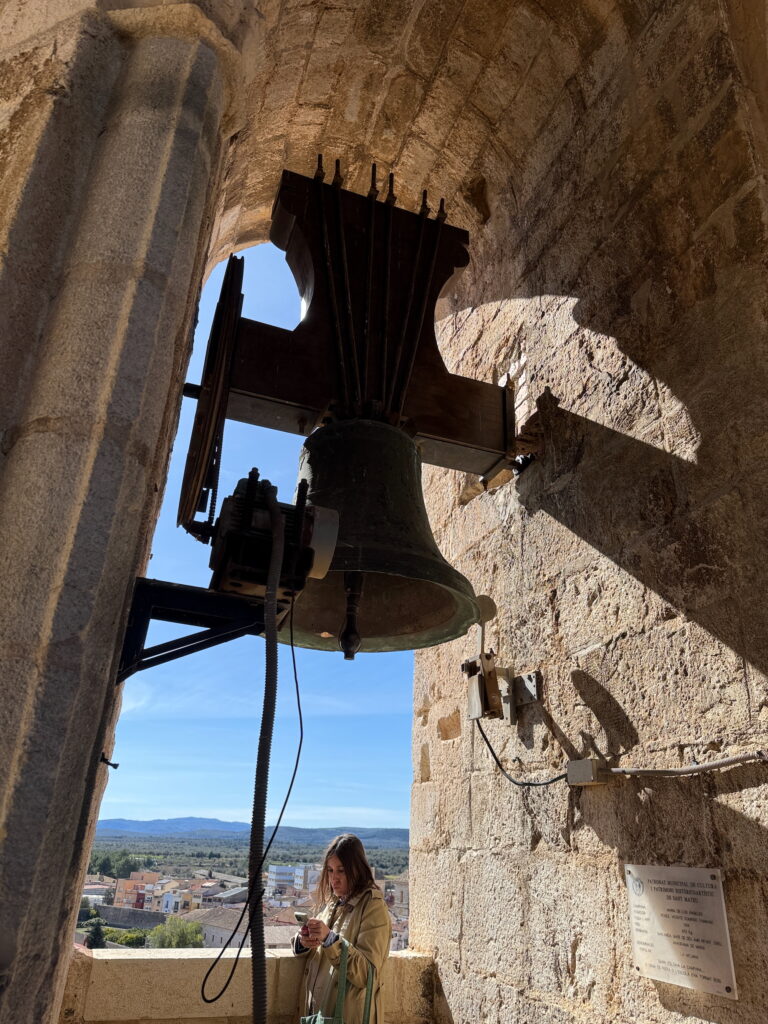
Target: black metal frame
x,y
220,617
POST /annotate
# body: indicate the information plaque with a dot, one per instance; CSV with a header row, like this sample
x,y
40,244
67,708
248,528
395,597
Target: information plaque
x,y
679,927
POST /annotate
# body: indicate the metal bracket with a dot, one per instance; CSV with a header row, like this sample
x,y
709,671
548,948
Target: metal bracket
x,y
527,688
492,692
485,696
220,617
517,692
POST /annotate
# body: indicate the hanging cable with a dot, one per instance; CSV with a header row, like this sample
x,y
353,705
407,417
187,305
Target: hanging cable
x,y
515,782
239,921
258,821
258,852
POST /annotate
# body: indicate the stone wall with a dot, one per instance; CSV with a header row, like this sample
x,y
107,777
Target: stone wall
x,y
130,917
620,276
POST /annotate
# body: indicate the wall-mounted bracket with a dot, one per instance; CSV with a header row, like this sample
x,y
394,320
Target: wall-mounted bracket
x,y
219,617
518,691
492,692
483,693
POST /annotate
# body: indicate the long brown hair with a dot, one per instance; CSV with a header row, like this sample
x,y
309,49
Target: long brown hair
x,y
351,853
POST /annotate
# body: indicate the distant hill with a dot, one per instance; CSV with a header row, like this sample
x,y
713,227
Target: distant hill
x,y
170,826
208,828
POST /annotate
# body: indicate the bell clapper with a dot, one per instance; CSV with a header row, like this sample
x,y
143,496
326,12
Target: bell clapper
x,y
349,638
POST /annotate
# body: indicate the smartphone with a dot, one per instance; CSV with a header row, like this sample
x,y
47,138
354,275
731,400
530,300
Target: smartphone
x,y
301,916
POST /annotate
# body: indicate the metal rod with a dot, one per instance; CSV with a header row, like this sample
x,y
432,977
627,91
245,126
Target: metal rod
x,y
202,637
373,192
406,319
420,324
332,293
385,311
190,644
347,290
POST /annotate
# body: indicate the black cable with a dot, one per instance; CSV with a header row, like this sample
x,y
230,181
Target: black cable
x,y
234,931
263,758
516,782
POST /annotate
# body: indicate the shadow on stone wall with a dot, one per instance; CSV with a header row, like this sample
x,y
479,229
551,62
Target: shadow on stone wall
x,y
694,533
700,820
619,735
689,821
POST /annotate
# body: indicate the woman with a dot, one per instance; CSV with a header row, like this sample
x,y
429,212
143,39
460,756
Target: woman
x,y
353,908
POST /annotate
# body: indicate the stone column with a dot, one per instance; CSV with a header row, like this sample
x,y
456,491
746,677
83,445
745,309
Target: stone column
x,y
111,173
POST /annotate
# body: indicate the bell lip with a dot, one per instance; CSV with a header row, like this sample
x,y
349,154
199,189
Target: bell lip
x,y
467,614
437,571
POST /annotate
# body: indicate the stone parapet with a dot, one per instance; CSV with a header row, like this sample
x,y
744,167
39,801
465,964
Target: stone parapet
x,y
155,986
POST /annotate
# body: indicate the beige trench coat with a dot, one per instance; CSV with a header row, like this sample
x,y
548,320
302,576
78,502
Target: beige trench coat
x,y
365,923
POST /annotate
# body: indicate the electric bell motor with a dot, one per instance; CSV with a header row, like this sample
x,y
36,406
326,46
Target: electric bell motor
x,y
242,543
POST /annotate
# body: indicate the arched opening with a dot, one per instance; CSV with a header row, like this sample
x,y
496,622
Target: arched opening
x,y
186,737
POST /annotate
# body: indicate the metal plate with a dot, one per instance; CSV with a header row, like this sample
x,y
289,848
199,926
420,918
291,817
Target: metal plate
x,y
679,927
527,688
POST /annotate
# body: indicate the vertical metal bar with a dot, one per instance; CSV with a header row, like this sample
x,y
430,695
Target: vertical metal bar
x,y
332,293
373,192
420,324
406,319
387,273
347,296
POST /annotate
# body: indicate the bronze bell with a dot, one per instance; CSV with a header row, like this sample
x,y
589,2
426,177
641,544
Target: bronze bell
x,y
388,587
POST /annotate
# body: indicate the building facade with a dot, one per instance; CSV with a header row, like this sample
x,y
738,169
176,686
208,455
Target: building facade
x,y
137,890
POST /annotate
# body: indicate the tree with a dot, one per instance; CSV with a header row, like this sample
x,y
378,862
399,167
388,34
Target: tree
x,y
104,866
124,864
100,864
94,937
85,903
176,933
134,937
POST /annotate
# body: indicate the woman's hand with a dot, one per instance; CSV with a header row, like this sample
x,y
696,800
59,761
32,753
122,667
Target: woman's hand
x,y
317,933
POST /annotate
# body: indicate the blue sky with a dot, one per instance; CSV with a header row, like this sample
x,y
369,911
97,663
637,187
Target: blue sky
x,y
188,732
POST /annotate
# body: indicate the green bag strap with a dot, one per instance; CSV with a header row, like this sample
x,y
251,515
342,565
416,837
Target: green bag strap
x,y
368,994
368,989
341,992
342,983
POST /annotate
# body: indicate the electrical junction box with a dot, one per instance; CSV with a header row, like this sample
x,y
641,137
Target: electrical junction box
x,y
588,772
